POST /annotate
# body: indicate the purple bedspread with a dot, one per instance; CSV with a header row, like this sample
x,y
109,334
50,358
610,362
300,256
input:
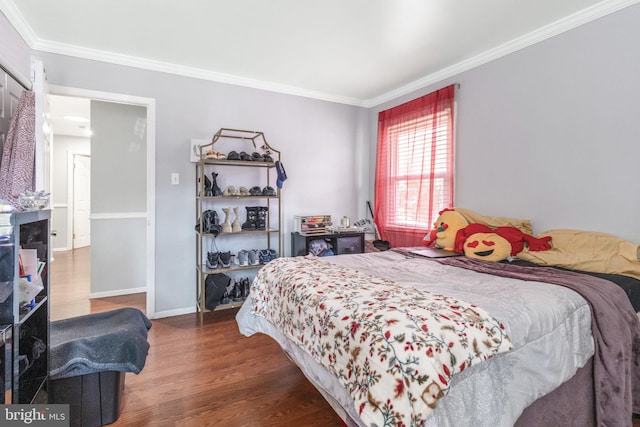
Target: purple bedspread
x,y
615,327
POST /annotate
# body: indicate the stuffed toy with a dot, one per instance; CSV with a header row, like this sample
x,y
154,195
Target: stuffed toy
x,y
482,242
443,235
452,231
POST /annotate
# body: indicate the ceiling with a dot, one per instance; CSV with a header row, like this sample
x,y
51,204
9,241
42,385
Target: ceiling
x,y
358,52
69,116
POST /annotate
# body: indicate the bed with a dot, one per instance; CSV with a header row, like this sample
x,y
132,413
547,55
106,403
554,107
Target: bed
x,y
390,338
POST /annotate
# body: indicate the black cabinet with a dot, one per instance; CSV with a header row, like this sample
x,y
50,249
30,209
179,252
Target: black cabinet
x,y
24,307
338,243
5,364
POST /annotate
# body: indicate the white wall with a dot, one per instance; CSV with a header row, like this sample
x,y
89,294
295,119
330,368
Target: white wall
x,y
62,146
550,132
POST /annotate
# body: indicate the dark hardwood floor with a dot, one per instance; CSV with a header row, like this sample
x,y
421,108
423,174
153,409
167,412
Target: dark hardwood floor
x,y
197,374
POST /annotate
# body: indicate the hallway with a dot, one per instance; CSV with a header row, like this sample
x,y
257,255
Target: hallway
x,y
70,279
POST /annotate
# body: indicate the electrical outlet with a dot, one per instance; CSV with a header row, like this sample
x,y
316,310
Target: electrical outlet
x,y
175,179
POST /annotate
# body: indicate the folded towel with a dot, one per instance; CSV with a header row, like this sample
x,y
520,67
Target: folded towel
x,y
111,341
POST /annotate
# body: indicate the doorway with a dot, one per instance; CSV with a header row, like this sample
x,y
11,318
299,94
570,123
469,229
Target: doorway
x,y
145,219
81,194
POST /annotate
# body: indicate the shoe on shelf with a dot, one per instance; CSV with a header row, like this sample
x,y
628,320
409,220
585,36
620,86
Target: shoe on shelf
x,y
229,191
257,157
212,260
236,294
225,298
245,156
269,191
255,191
225,259
214,155
252,217
242,258
226,225
267,158
261,221
246,287
215,188
252,255
244,191
273,254
264,256
233,155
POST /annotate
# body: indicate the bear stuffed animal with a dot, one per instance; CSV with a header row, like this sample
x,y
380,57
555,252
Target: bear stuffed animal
x,y
443,235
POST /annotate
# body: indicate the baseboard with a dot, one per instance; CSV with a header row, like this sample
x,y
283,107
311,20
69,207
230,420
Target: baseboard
x,y
118,293
171,313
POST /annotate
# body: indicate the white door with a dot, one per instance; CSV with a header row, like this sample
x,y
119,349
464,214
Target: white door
x,y
81,200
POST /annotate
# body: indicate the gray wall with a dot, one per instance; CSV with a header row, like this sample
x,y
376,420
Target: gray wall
x,y
14,52
118,190
550,132
118,167
322,147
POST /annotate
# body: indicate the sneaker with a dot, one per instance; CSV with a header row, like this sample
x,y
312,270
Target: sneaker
x,y
269,191
242,258
264,256
212,260
225,259
252,255
244,191
273,254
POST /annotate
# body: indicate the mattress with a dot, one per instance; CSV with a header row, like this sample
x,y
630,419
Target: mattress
x,y
549,327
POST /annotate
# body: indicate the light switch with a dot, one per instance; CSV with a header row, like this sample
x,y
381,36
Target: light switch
x,y
175,178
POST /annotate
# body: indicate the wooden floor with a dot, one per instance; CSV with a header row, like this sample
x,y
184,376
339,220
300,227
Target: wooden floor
x,y
197,374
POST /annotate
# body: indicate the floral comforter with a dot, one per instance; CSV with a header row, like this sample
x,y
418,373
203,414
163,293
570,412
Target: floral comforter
x,y
395,349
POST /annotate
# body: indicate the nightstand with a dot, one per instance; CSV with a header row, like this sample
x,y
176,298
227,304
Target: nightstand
x,y
341,243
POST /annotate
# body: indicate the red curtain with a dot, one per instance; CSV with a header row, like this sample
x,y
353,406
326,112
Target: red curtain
x,y
414,167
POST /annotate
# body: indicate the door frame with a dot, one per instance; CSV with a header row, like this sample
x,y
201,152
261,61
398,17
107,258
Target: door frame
x,y
150,104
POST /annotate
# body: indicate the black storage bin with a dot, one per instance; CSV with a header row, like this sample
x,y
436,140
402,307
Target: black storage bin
x,y
349,245
89,358
94,399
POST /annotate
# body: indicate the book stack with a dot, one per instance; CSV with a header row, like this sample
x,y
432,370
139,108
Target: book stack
x,y
311,224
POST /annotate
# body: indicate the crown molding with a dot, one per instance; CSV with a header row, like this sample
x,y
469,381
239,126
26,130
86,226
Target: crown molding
x,y
592,13
568,23
176,69
17,20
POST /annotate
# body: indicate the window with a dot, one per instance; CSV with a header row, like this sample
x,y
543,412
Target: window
x,y
414,168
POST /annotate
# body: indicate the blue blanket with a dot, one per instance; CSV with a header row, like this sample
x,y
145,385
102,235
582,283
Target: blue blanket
x,y
110,341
